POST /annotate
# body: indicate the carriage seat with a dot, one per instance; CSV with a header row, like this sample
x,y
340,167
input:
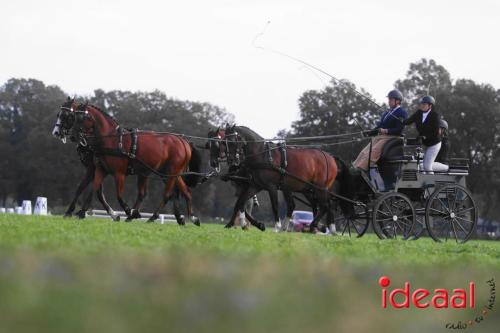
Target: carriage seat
x,y
392,151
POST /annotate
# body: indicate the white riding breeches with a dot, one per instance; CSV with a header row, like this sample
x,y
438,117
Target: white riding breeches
x,y
430,154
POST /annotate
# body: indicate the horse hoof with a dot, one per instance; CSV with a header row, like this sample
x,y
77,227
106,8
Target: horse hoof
x,y
67,215
80,214
314,230
181,221
129,219
262,227
228,226
196,221
152,219
135,214
115,218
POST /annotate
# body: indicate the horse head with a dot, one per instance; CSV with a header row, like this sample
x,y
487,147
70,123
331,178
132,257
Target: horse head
x,y
65,119
235,143
217,147
92,123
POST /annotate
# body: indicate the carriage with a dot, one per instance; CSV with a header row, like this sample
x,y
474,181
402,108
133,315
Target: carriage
x,y
439,204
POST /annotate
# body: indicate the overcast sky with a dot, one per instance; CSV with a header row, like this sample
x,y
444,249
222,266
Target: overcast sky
x,y
202,50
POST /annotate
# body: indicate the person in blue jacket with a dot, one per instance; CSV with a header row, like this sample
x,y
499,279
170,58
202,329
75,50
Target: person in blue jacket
x,y
390,126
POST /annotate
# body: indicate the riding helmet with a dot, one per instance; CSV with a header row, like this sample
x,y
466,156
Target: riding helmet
x,y
443,124
396,94
428,100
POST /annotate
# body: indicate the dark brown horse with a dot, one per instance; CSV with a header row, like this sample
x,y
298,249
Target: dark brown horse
x,y
118,151
271,167
61,130
217,145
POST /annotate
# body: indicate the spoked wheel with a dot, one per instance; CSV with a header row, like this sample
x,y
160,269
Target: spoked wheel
x,y
357,224
451,213
419,227
393,216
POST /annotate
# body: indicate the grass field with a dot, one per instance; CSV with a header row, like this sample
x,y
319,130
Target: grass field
x,y
60,275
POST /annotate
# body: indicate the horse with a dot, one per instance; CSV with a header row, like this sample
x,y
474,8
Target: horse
x,y
217,146
120,151
61,130
309,171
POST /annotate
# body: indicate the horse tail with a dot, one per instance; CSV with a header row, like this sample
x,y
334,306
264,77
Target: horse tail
x,y
346,186
194,166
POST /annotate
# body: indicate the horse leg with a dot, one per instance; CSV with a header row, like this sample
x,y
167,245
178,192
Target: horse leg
x,y
97,183
89,175
177,213
142,185
331,219
247,208
167,194
120,185
314,224
290,207
259,225
273,196
107,207
246,193
189,198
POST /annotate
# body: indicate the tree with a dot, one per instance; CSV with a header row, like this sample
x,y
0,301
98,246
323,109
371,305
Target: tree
x,y
37,164
336,109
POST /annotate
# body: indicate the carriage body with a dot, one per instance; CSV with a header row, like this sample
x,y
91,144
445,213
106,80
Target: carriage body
x,y
437,203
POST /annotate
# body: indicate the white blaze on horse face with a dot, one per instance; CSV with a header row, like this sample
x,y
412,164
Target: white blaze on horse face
x,y
56,132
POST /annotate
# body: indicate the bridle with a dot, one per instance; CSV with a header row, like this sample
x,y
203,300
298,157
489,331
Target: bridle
x,y
218,143
77,117
239,150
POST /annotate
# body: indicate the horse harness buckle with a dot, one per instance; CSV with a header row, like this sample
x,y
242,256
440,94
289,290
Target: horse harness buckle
x,y
133,146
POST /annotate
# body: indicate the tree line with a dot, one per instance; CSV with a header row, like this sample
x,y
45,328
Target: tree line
x,y
34,163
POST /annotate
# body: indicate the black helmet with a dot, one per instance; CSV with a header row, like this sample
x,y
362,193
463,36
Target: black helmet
x,y
443,124
396,94
428,100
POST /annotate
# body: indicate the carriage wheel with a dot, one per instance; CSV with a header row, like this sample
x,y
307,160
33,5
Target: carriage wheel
x,y
451,212
393,216
356,224
419,226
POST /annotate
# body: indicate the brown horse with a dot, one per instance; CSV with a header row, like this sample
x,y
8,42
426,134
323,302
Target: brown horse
x,y
61,130
309,171
217,146
118,151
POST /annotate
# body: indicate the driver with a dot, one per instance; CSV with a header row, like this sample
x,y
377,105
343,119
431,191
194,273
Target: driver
x,y
389,127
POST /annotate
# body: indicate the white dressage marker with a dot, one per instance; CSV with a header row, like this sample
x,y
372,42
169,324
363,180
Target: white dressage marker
x,y
41,206
26,207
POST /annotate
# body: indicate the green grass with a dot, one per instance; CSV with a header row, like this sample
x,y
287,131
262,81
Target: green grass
x,y
60,275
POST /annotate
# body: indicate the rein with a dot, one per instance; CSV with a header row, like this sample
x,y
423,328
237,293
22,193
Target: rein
x,y
284,172
120,152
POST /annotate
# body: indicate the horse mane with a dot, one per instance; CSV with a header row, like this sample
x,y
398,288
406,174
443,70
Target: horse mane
x,y
249,132
104,113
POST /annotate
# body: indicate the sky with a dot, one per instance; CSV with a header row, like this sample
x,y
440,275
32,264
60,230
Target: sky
x,y
207,50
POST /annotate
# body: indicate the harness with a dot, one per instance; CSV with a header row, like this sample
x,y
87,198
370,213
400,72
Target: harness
x,y
120,151
133,147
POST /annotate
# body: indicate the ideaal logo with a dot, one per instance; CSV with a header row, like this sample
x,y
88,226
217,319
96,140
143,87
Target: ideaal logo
x,y
440,299
423,298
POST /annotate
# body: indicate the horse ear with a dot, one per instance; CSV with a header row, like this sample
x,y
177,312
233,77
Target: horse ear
x,y
69,99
